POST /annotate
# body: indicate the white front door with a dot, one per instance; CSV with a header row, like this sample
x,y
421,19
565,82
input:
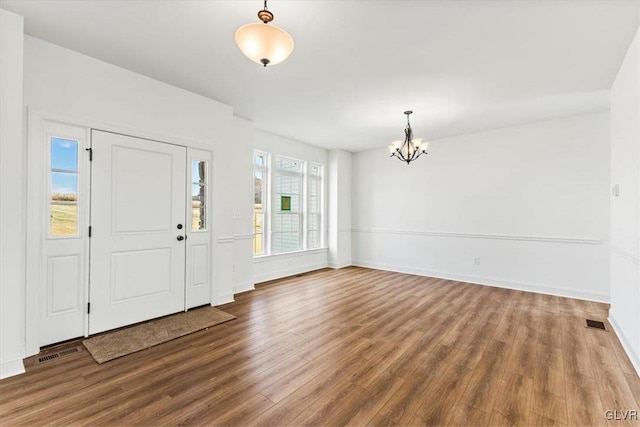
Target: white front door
x,y
137,267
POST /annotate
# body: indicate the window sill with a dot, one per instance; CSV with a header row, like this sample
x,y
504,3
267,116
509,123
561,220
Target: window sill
x,y
286,255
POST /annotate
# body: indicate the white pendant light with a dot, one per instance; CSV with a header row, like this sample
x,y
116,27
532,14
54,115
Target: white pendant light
x,y
263,43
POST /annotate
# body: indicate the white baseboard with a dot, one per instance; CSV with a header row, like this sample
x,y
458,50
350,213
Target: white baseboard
x,y
626,345
490,281
224,299
288,272
339,264
239,288
11,366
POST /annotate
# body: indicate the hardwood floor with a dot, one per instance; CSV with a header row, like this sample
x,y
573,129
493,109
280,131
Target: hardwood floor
x,y
352,347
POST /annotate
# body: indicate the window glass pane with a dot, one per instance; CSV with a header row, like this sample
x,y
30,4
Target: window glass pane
x,y
314,222
257,188
314,169
64,154
198,172
198,195
286,236
314,206
63,198
198,219
312,239
64,210
288,164
259,194
258,219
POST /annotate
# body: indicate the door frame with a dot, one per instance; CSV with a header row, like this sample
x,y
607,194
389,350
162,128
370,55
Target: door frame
x,y
35,229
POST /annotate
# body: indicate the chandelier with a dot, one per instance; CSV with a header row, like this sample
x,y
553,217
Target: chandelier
x,y
263,43
409,149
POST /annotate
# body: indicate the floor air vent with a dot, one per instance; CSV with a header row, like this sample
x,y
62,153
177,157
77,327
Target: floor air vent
x,y
58,354
595,324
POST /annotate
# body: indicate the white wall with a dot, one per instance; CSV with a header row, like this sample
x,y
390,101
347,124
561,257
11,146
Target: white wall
x,y
531,202
275,266
240,184
624,314
12,244
339,224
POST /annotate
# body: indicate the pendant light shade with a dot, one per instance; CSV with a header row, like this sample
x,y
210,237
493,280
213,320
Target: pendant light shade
x,y
264,43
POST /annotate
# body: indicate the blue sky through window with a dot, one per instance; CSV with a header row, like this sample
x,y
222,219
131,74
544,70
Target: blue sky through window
x,y
64,156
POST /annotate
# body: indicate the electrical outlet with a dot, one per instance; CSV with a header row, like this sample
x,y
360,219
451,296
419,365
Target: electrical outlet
x,y
476,261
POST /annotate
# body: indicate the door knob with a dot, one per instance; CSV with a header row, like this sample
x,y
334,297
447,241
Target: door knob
x,y
180,238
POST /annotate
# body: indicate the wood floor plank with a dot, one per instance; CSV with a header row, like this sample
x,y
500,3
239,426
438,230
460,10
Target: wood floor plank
x,y
549,371
549,405
514,399
584,406
373,398
469,416
353,347
444,394
522,360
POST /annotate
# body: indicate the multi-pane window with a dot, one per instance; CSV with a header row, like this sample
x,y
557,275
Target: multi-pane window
x,y
289,209
259,202
287,199
63,187
314,208
198,195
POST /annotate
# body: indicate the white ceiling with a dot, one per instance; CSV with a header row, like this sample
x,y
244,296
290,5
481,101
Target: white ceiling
x,y
461,66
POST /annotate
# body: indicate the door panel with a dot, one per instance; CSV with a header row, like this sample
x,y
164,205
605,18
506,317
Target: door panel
x,y
137,203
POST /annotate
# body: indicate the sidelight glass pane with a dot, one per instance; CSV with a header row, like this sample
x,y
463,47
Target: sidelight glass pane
x,y
64,154
198,172
63,184
198,195
198,219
